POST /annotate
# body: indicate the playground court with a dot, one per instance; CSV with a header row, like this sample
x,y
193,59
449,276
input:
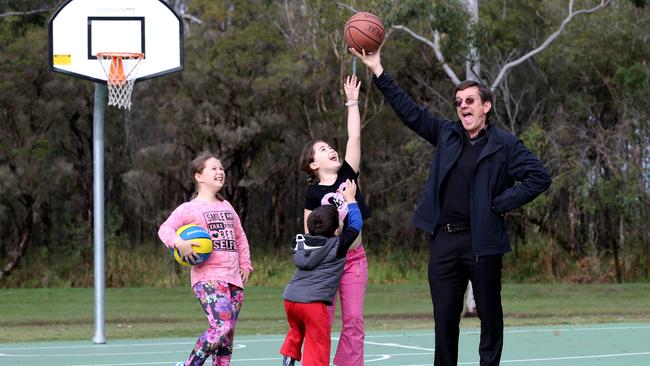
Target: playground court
x,y
559,345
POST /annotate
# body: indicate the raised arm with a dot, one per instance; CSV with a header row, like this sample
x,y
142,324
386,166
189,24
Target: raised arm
x,y
372,60
348,235
353,148
415,117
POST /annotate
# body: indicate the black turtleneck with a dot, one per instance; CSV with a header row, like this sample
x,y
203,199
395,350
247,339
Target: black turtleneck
x,y
455,190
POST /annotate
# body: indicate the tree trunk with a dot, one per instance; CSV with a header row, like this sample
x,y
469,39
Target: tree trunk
x,y
615,248
22,248
646,247
473,64
277,220
25,236
646,244
621,241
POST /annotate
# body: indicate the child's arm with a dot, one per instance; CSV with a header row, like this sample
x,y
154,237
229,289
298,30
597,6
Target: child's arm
x,y
355,221
305,215
245,266
353,148
350,234
312,201
167,233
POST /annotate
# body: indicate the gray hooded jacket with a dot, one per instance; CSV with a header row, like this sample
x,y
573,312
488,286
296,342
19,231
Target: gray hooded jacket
x,y
320,262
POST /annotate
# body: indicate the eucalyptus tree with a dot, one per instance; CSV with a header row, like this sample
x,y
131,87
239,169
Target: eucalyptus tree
x,y
236,97
516,42
41,185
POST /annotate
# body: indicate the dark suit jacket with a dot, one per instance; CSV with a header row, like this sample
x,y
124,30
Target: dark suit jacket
x,y
504,161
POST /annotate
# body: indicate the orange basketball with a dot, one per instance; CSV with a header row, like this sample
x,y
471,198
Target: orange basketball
x,y
364,31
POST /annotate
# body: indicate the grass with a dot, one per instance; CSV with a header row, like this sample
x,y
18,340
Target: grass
x,y
67,314
152,266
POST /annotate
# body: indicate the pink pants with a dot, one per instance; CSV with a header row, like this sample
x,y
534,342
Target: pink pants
x,y
349,351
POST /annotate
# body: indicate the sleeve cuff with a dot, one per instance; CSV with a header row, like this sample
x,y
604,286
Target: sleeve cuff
x,y
249,268
381,77
174,242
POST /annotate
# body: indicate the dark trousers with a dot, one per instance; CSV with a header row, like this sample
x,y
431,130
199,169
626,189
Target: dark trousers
x,y
451,265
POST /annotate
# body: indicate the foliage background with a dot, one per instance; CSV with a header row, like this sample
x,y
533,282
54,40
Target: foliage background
x,y
262,78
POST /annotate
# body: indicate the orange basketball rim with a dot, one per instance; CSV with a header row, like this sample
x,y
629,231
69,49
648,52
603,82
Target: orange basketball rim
x,y
118,73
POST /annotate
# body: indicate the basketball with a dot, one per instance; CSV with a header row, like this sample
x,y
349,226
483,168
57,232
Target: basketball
x,y
364,31
198,235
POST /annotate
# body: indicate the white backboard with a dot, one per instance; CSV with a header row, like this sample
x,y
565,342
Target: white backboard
x,y
79,29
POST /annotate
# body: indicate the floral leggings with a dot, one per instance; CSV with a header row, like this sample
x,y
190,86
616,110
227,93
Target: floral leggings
x,y
221,303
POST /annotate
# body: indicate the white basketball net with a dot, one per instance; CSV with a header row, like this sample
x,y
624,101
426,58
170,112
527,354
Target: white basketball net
x,y
120,69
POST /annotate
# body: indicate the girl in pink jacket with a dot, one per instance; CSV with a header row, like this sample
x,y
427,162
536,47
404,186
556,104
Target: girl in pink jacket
x,y
218,283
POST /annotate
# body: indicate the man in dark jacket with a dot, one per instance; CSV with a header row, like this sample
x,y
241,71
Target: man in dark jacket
x,y
477,174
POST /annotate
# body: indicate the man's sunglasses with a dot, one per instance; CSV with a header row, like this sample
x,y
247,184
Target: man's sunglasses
x,y
468,101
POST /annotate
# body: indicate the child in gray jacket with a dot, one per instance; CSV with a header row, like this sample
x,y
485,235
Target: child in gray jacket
x,y
320,259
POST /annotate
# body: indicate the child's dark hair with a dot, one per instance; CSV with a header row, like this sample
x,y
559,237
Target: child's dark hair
x,y
323,221
197,165
306,158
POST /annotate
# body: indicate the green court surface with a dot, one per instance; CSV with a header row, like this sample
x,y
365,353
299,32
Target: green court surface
x,y
561,345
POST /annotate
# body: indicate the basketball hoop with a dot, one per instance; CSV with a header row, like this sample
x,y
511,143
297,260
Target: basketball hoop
x,y
120,69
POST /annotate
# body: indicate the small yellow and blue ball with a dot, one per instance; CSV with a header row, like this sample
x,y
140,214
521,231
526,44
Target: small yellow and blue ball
x,y
198,235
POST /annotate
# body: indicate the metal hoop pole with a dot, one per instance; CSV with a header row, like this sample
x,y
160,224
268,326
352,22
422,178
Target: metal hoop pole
x,y
98,209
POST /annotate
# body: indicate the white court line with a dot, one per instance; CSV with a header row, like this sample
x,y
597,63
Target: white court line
x,y
92,354
100,346
236,346
430,334
161,344
400,346
166,363
388,356
578,357
538,330
380,358
584,357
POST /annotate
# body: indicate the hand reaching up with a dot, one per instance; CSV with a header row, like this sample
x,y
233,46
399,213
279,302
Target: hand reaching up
x,y
351,88
372,60
349,191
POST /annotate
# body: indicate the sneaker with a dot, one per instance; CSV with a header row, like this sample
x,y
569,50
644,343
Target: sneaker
x,y
288,361
180,364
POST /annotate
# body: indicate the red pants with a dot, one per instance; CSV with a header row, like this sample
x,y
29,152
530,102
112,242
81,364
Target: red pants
x,y
308,323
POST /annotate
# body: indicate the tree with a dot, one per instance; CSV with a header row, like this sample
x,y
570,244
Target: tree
x,y
403,14
262,78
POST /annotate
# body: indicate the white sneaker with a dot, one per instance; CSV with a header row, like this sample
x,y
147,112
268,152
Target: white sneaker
x,y
288,361
180,364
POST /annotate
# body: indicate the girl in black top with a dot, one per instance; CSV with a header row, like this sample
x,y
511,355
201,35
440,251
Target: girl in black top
x,y
327,173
